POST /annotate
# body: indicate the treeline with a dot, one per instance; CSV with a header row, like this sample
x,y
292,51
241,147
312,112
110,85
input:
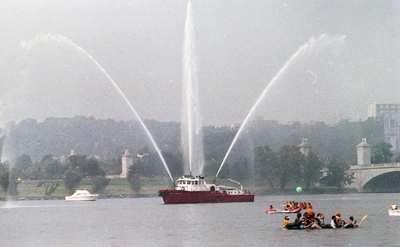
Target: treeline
x,y
105,140
49,170
109,138
288,164
257,156
279,168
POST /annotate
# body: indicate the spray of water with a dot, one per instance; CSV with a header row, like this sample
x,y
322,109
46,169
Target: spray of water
x,y
64,41
192,143
313,45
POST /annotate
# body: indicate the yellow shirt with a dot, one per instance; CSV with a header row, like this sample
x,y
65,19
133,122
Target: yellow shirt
x,y
285,222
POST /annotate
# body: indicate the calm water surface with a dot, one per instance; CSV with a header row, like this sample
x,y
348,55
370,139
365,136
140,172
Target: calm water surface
x,y
148,222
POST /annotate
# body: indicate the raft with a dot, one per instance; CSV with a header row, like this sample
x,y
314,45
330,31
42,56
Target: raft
x,y
291,211
296,226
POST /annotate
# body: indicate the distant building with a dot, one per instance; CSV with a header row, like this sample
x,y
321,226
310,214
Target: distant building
x,y
390,114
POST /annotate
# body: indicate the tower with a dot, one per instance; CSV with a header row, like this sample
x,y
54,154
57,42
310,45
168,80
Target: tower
x,y
363,153
305,148
127,161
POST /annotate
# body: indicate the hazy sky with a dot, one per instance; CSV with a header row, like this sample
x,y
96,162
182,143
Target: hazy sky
x,y
240,45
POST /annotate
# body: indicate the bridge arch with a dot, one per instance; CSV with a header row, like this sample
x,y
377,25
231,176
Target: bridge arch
x,y
364,174
383,183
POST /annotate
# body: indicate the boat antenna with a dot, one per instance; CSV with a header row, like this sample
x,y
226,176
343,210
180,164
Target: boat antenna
x,y
241,186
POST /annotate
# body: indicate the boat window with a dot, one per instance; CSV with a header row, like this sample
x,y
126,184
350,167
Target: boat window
x,y
195,182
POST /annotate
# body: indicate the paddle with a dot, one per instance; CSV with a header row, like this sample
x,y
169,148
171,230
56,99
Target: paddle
x,y
362,219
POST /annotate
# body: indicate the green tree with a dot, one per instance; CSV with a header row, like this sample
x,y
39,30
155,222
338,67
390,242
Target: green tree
x,y
312,169
289,163
100,183
52,167
175,162
13,182
112,166
134,179
71,180
50,186
213,161
382,153
265,164
338,174
92,168
77,163
4,176
84,166
23,166
240,169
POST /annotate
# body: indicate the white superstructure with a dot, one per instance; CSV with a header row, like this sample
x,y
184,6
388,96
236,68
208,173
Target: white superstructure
x,y
190,183
82,195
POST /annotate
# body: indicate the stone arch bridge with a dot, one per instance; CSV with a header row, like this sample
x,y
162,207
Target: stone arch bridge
x,y
363,174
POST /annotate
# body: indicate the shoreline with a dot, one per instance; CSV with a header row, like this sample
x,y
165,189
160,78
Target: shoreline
x,y
56,198
122,196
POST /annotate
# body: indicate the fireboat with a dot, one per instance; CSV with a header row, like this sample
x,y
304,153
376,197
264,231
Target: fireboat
x,y
190,189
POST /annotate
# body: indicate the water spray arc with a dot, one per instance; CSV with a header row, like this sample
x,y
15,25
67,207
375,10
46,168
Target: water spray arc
x,y
191,132
69,43
324,39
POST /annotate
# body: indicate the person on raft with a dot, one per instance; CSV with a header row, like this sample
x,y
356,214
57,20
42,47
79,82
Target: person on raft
x,y
298,218
306,223
333,222
351,223
285,222
339,221
320,219
271,208
309,219
309,215
286,207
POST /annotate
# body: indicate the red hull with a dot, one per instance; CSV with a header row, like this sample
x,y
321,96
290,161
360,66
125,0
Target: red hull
x,y
181,196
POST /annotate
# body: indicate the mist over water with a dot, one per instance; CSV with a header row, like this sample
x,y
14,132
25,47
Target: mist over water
x,y
191,123
308,51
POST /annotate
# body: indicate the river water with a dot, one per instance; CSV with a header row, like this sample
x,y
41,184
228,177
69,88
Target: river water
x,y
148,222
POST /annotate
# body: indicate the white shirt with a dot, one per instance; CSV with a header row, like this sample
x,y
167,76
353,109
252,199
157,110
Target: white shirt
x,y
333,224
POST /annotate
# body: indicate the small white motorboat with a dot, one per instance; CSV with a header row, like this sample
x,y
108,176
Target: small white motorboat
x,y
82,195
394,210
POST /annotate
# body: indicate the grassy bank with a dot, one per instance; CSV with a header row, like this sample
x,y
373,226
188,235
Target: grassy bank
x,y
117,188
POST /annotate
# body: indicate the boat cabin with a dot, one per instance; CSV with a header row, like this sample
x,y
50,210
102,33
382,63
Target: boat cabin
x,y
190,183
